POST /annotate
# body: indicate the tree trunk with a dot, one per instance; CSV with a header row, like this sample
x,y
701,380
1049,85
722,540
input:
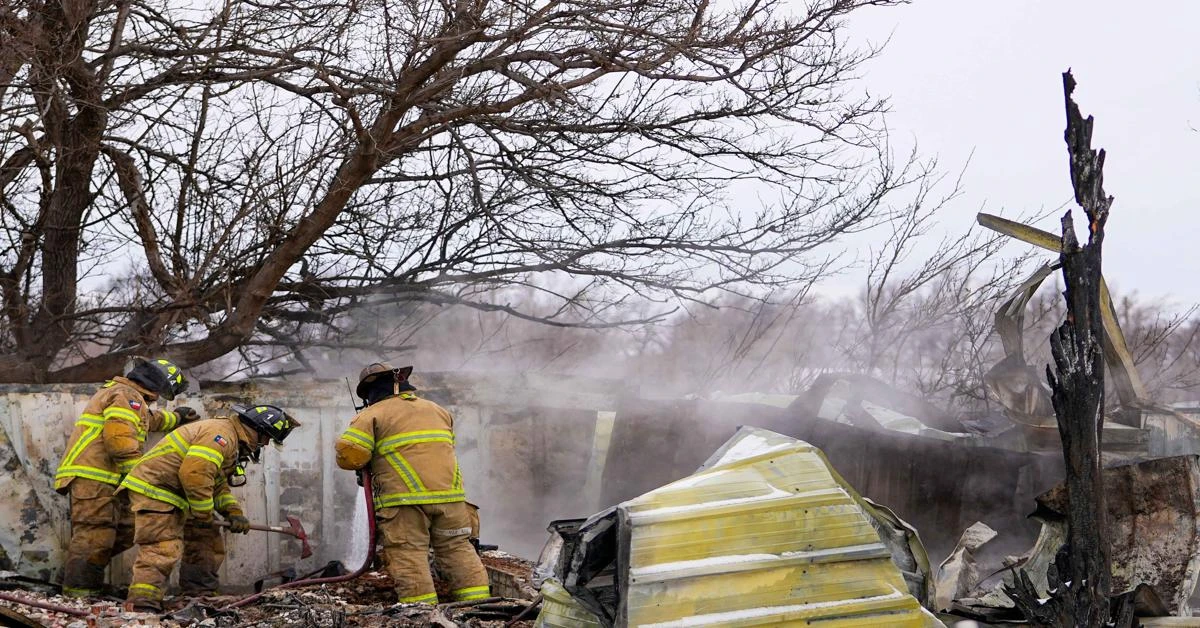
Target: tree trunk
x,y
1081,580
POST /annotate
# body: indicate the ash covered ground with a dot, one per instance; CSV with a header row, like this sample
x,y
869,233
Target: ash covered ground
x,y
365,601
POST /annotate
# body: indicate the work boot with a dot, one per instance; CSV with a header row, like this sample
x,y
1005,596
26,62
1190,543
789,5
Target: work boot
x,y
77,593
143,605
82,579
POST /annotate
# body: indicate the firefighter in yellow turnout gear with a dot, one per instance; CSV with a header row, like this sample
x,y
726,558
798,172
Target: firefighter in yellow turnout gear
x,y
419,499
174,490
106,442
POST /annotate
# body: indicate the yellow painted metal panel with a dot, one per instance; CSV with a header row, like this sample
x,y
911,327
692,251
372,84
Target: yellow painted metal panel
x,y
765,534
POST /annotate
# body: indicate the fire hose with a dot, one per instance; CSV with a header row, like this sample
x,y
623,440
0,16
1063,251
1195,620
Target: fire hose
x,y
57,608
366,566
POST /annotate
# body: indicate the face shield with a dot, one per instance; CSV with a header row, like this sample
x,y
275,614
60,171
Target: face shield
x,y
238,477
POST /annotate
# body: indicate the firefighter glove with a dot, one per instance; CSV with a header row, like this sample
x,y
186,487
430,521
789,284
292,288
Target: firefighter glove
x,y
186,414
239,524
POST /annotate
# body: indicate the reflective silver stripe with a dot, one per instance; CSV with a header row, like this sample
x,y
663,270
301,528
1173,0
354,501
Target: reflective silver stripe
x,y
153,492
122,413
90,420
359,437
203,505
471,593
396,441
407,473
427,497
207,453
91,473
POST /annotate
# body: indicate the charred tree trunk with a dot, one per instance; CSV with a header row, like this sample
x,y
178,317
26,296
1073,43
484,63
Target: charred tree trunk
x,y
1081,580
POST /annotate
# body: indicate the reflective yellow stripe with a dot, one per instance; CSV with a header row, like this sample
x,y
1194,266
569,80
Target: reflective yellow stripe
x,y
74,592
91,473
145,591
85,439
396,441
457,477
471,593
172,443
177,442
359,437
153,492
113,412
407,473
428,598
126,466
207,453
225,500
68,469
203,505
427,497
125,414
169,420
90,420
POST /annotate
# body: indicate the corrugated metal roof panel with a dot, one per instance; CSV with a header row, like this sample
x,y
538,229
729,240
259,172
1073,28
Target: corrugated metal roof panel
x,y
765,534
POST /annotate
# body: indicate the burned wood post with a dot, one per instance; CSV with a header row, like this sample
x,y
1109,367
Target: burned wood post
x,y
1081,579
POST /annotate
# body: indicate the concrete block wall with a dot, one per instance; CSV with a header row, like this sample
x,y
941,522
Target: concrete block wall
x,y
527,445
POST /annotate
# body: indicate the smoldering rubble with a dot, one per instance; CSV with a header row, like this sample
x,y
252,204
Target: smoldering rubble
x,y
848,482
365,601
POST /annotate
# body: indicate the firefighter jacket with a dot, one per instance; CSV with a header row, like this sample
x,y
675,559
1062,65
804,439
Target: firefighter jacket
x,y
188,468
409,444
109,434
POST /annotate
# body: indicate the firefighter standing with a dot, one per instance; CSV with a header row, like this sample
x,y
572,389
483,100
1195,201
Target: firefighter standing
x,y
419,499
176,487
106,442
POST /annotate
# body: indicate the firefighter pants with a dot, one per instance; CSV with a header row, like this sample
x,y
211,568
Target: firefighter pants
x,y
164,536
408,532
101,527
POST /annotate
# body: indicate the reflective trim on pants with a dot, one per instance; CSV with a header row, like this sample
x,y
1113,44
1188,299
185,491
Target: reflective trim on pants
x,y
428,598
145,591
471,593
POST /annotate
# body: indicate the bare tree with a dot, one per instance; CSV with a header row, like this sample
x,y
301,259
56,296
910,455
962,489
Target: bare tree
x,y
197,179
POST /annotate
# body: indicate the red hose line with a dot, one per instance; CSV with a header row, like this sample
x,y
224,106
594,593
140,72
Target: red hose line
x,y
45,605
366,566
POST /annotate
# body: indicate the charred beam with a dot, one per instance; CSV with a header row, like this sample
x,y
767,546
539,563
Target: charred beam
x,y
1081,583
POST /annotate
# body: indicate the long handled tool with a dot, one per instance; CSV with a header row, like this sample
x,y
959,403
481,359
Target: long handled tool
x,y
294,529
366,566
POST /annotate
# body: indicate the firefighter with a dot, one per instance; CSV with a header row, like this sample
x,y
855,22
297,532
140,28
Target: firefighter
x,y
174,490
419,499
106,442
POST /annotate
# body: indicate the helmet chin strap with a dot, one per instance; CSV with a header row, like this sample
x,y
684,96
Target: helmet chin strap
x,y
395,381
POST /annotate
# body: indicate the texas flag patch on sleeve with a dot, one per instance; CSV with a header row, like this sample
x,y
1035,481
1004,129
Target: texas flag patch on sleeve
x,y
220,440
136,405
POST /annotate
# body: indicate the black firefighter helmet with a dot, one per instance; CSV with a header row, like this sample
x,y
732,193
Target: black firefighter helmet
x,y
382,371
158,376
268,420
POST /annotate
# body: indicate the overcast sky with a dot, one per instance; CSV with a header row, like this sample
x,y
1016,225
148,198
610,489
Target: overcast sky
x,y
966,75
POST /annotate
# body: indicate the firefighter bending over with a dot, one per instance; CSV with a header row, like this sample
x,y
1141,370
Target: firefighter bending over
x,y
174,490
419,499
105,444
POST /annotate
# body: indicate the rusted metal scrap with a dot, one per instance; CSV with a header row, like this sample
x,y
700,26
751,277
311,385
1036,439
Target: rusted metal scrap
x,y
1154,526
1154,532
958,575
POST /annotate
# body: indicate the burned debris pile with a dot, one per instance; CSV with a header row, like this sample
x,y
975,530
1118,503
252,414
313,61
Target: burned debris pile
x,y
366,601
